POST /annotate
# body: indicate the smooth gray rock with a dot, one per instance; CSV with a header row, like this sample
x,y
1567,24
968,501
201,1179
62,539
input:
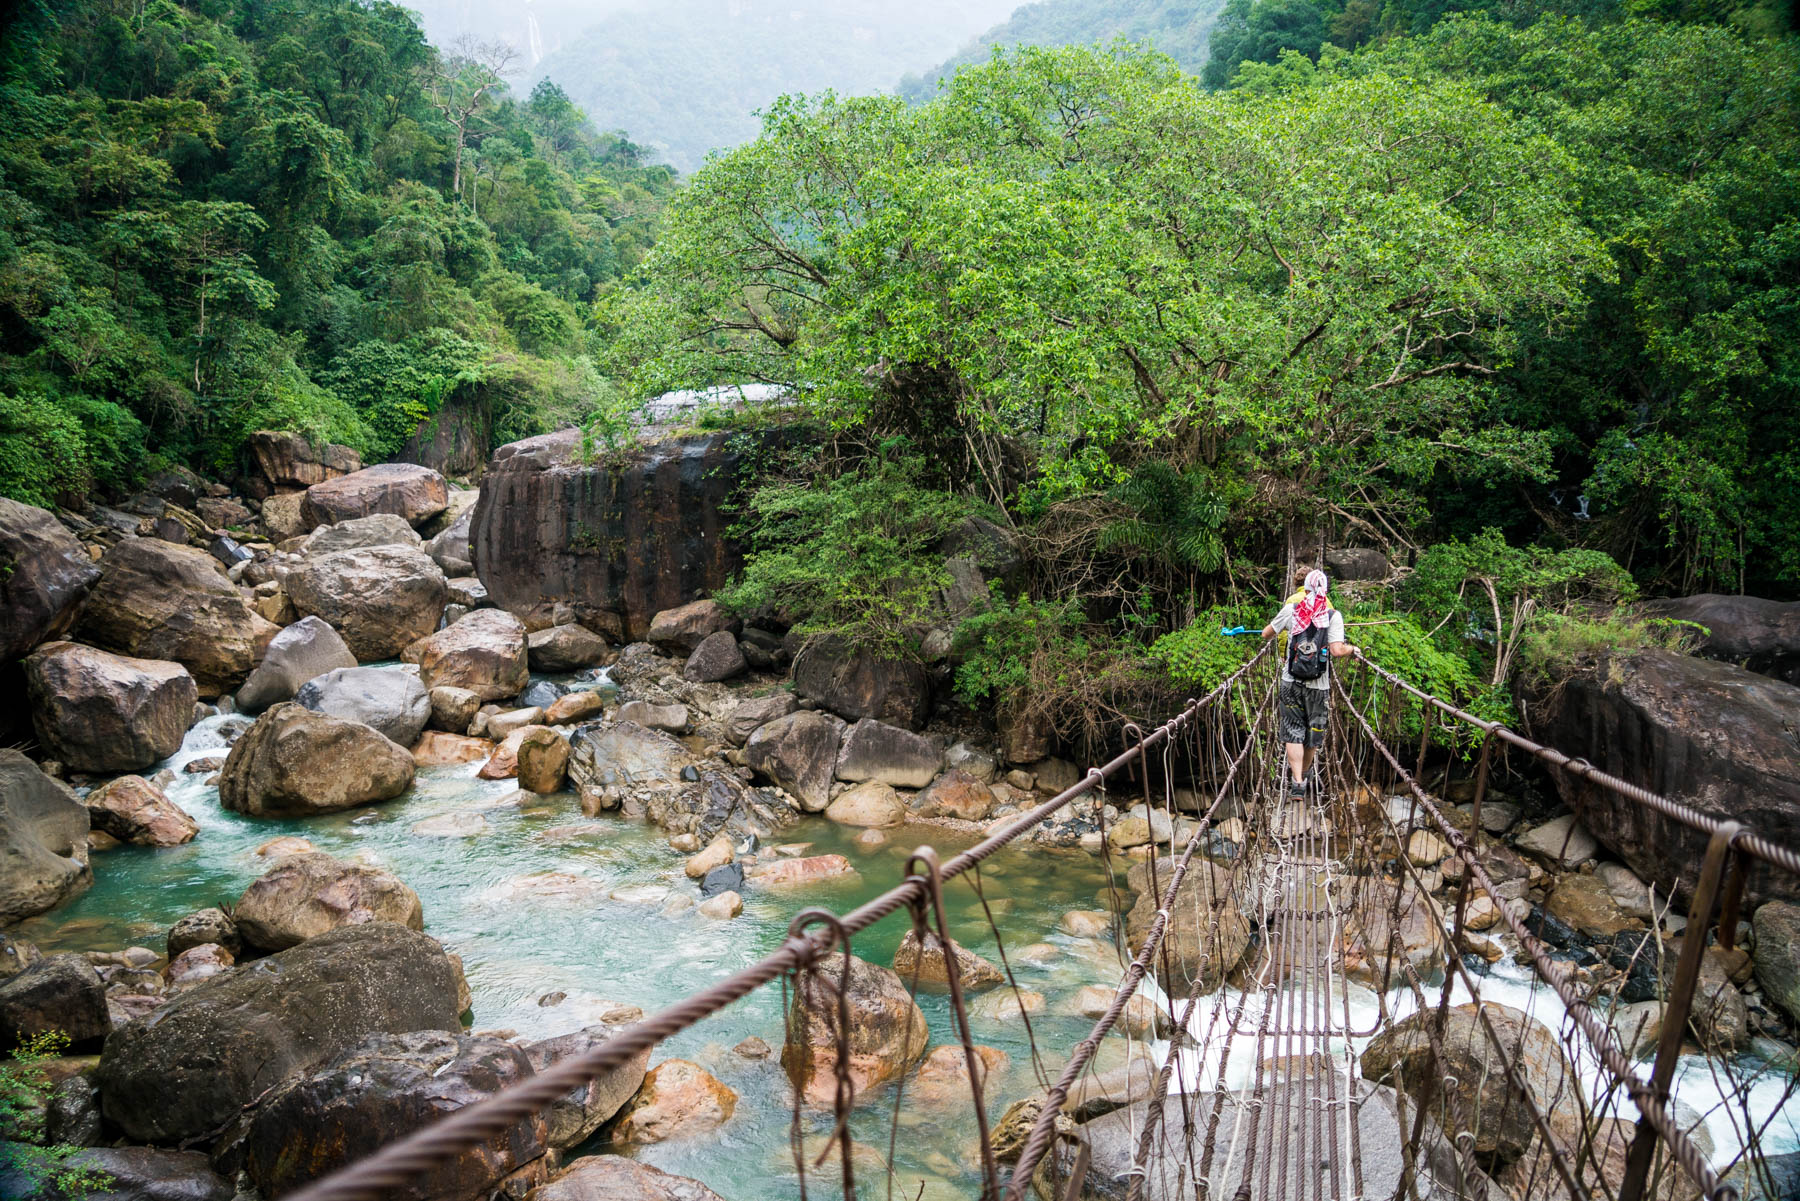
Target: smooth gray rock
x,y
296,763
874,750
382,599
43,840
798,752
392,700
377,529
582,1111
302,651
716,658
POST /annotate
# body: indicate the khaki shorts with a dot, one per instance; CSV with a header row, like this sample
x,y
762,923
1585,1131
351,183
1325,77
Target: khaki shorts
x,y
1303,712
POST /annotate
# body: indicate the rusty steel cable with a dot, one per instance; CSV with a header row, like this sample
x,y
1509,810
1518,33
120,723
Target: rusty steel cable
x,y
395,1164
1599,1034
1044,1131
1749,841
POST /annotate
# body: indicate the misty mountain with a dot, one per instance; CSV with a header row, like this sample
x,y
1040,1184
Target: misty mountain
x,y
1178,28
686,76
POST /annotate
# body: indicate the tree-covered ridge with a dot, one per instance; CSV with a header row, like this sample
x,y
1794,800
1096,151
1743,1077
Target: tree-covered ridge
x,y
221,217
689,76
1178,28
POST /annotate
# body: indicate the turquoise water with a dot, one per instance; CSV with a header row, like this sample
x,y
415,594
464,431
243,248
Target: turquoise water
x,y
521,939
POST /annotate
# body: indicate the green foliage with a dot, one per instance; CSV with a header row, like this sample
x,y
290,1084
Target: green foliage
x,y
24,1095
1198,656
1468,585
43,451
1172,517
1027,257
215,218
1017,647
856,553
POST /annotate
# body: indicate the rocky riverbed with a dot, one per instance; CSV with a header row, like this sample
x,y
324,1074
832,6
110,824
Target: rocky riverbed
x,y
291,762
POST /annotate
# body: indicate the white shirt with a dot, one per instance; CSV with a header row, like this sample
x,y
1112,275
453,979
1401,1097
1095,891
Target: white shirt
x,y
1284,620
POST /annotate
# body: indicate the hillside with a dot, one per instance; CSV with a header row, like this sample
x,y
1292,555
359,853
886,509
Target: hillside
x,y
675,75
213,222
1178,28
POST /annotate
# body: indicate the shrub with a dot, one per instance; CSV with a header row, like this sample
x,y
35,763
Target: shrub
x,y
24,1096
854,553
43,451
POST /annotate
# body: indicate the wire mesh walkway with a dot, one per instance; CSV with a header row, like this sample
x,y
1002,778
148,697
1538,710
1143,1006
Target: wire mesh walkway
x,y
1277,960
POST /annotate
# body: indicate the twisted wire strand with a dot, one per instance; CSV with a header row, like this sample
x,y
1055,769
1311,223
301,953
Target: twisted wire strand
x,y
393,1165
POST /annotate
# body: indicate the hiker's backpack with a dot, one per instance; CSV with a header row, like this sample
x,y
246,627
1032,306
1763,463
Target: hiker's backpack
x,y
1309,651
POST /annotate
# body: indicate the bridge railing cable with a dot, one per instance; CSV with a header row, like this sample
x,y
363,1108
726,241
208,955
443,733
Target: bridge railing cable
x,y
400,1162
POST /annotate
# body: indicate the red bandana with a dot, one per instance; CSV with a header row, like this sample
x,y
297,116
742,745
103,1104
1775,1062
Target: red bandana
x,y
1313,605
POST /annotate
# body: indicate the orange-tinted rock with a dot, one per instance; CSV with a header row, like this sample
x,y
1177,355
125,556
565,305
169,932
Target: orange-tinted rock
x,y
438,749
678,1099
783,872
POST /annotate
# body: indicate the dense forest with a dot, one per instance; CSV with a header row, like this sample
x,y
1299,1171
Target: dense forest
x,y
689,76
217,217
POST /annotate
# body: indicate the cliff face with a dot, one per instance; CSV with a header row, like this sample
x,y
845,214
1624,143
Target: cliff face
x,y
614,542
1710,735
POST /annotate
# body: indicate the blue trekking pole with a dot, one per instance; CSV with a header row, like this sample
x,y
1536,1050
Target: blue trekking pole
x,y
1233,632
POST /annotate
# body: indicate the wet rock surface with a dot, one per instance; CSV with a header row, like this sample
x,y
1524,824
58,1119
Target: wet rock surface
x,y
857,684
224,1043
679,1099
133,810
302,651
136,1174
311,893
618,543
579,1113
887,1031
386,1087
57,993
1706,734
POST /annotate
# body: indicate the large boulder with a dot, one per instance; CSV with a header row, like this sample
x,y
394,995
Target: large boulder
x,y
47,573
294,762
716,658
300,652
388,699
543,760
290,460
1351,563
380,1090
43,840
1207,933
100,712
678,1099
484,652
751,715
58,992
156,600
799,753
404,489
956,793
1777,961
874,750
306,895
381,598
624,753
380,529
1473,1085
576,1115
873,805
1760,635
617,540
925,961
681,630
615,1178
449,548
133,810
857,683
282,516
197,1063
564,648
1708,735
887,1031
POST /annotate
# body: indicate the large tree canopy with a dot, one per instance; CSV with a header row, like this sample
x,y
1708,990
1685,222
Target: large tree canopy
x,y
1085,251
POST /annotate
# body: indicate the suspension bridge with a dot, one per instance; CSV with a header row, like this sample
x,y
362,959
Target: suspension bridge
x,y
1278,1086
